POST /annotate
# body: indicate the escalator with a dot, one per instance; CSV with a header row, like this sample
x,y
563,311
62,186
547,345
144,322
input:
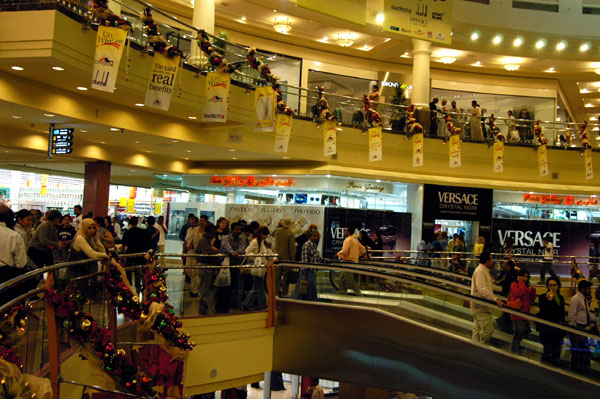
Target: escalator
x,y
380,339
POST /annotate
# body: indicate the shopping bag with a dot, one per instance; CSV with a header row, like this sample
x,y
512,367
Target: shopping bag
x,y
223,278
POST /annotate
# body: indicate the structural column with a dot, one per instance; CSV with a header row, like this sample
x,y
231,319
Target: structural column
x,y
96,188
203,16
420,82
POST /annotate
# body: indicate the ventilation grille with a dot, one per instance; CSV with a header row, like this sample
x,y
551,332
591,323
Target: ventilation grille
x,y
554,175
528,5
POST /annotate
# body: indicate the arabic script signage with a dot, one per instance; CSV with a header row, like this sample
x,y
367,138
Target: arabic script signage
x,y
250,181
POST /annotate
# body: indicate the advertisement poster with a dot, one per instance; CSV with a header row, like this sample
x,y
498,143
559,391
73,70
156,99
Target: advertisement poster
x,y
417,149
161,82
217,97
354,11
265,108
283,130
394,227
110,43
177,219
131,205
589,170
44,186
329,138
420,19
454,151
375,144
543,160
269,215
567,238
499,157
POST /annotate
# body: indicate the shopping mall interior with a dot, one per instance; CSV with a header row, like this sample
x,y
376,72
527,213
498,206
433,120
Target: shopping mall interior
x,y
476,118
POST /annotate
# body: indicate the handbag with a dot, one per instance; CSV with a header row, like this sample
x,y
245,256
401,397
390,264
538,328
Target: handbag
x,y
223,278
258,270
514,303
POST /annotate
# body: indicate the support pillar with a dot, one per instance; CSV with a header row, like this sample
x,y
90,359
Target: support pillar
x,y
351,391
421,86
203,16
295,386
267,386
96,188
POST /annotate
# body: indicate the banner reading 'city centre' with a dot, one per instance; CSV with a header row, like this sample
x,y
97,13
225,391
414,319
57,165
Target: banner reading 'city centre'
x,y
109,49
217,97
429,20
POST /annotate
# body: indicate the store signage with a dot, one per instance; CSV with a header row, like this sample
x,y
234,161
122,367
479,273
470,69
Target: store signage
x,y
352,185
421,19
457,203
250,181
61,141
385,83
559,199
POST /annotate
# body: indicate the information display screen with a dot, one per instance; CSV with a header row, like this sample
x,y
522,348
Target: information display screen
x,y
61,141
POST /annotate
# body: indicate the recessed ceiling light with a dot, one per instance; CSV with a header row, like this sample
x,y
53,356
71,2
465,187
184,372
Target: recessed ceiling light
x,y
114,129
57,68
477,64
81,88
274,10
387,39
192,117
518,41
103,142
561,45
137,142
550,70
148,151
540,44
243,18
405,55
447,59
232,149
497,39
139,104
233,158
584,47
188,151
174,141
589,105
16,68
50,115
285,157
16,116
474,36
83,131
325,39
379,18
132,170
186,158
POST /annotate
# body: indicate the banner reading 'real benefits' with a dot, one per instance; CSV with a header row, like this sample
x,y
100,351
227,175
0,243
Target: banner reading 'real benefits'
x,y
265,109
348,10
329,138
375,144
110,43
162,81
283,129
429,20
417,149
217,97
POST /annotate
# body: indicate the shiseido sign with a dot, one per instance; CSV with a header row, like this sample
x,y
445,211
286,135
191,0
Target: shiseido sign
x,y
457,203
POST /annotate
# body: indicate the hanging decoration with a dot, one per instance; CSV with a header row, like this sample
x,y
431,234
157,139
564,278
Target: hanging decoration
x,y
499,156
106,17
110,43
543,159
538,130
264,104
589,170
495,130
214,57
454,151
584,135
283,130
322,109
329,138
417,149
411,122
375,144
265,73
373,116
453,130
155,39
217,97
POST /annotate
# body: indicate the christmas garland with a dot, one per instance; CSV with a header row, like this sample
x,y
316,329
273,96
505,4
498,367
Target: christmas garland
x,y
155,40
265,73
214,58
584,135
495,130
411,122
68,307
122,296
373,117
453,130
106,17
539,133
12,330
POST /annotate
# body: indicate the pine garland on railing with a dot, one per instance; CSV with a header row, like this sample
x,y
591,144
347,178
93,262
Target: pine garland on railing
x,y
12,330
214,58
373,116
265,73
495,130
106,17
411,121
121,295
453,130
584,135
539,133
155,40
323,111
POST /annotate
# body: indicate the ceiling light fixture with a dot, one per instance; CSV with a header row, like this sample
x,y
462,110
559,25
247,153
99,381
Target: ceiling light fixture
x,y
447,59
550,70
589,105
57,68
597,71
560,46
518,41
585,47
325,39
477,64
243,18
540,44
81,88
285,157
345,39
282,26
114,129
139,104
50,115
16,116
366,48
83,131
379,18
387,39
474,35
192,117
497,39
16,68
511,63
405,55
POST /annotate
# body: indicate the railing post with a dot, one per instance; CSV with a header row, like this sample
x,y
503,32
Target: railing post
x,y
53,342
110,309
271,309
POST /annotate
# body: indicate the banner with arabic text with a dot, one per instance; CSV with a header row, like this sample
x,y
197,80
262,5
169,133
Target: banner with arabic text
x,y
265,109
499,157
417,149
454,151
329,138
162,81
283,130
375,144
217,97
589,170
543,160
429,20
110,43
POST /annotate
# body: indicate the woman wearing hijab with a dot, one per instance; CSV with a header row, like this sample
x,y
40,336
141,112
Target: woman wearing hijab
x,y
86,246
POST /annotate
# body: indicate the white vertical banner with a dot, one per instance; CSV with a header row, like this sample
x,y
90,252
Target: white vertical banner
x,y
454,151
329,138
543,160
162,81
217,97
110,42
283,130
375,144
589,169
499,157
417,149
265,109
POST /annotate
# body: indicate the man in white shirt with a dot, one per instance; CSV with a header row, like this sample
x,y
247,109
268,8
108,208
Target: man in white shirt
x,y
581,317
162,238
192,236
13,257
548,258
78,216
351,251
482,287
